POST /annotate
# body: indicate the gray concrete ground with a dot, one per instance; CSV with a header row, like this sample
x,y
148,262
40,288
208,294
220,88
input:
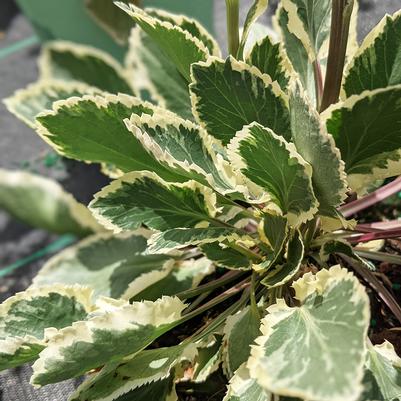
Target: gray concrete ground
x,y
19,144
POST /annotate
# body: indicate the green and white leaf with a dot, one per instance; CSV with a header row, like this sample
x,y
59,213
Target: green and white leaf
x,y
284,182
273,231
153,72
107,262
383,373
69,61
270,59
112,19
181,276
92,129
300,345
297,54
331,247
185,146
222,255
192,26
240,331
376,63
309,21
161,390
226,95
28,317
208,359
282,273
144,198
368,135
147,367
116,330
179,238
313,143
243,388
41,202
27,103
257,9
177,44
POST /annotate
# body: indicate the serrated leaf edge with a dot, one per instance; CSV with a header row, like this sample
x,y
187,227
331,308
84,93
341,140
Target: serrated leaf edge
x,y
117,316
262,196
129,178
304,287
79,50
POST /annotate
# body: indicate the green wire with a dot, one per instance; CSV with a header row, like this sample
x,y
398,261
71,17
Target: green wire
x,y
17,46
55,246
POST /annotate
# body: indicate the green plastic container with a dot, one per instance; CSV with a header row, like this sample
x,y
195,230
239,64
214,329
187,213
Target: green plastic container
x,y
69,20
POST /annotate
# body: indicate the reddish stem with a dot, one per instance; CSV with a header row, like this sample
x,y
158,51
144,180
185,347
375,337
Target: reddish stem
x,y
377,196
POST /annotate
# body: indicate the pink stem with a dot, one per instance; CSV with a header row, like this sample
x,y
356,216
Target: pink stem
x,y
382,234
380,194
378,226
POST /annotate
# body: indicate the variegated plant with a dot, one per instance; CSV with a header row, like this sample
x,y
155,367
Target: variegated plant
x,y
217,244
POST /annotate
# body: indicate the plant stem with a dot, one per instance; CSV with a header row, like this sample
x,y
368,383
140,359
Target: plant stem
x,y
214,324
340,21
254,284
223,280
383,234
197,302
376,285
380,194
379,256
317,71
219,299
232,10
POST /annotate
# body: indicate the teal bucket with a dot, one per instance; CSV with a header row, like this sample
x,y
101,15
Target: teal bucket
x,y
69,20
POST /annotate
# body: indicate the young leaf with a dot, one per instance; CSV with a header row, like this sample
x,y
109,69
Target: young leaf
x,y
192,26
285,180
185,146
92,129
300,345
155,73
147,367
309,20
208,359
256,10
281,274
178,45
383,373
367,134
376,65
182,237
226,95
297,54
240,331
270,59
25,317
243,388
161,390
222,255
69,61
113,20
107,263
183,275
313,143
144,198
27,103
114,331
273,231
41,202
